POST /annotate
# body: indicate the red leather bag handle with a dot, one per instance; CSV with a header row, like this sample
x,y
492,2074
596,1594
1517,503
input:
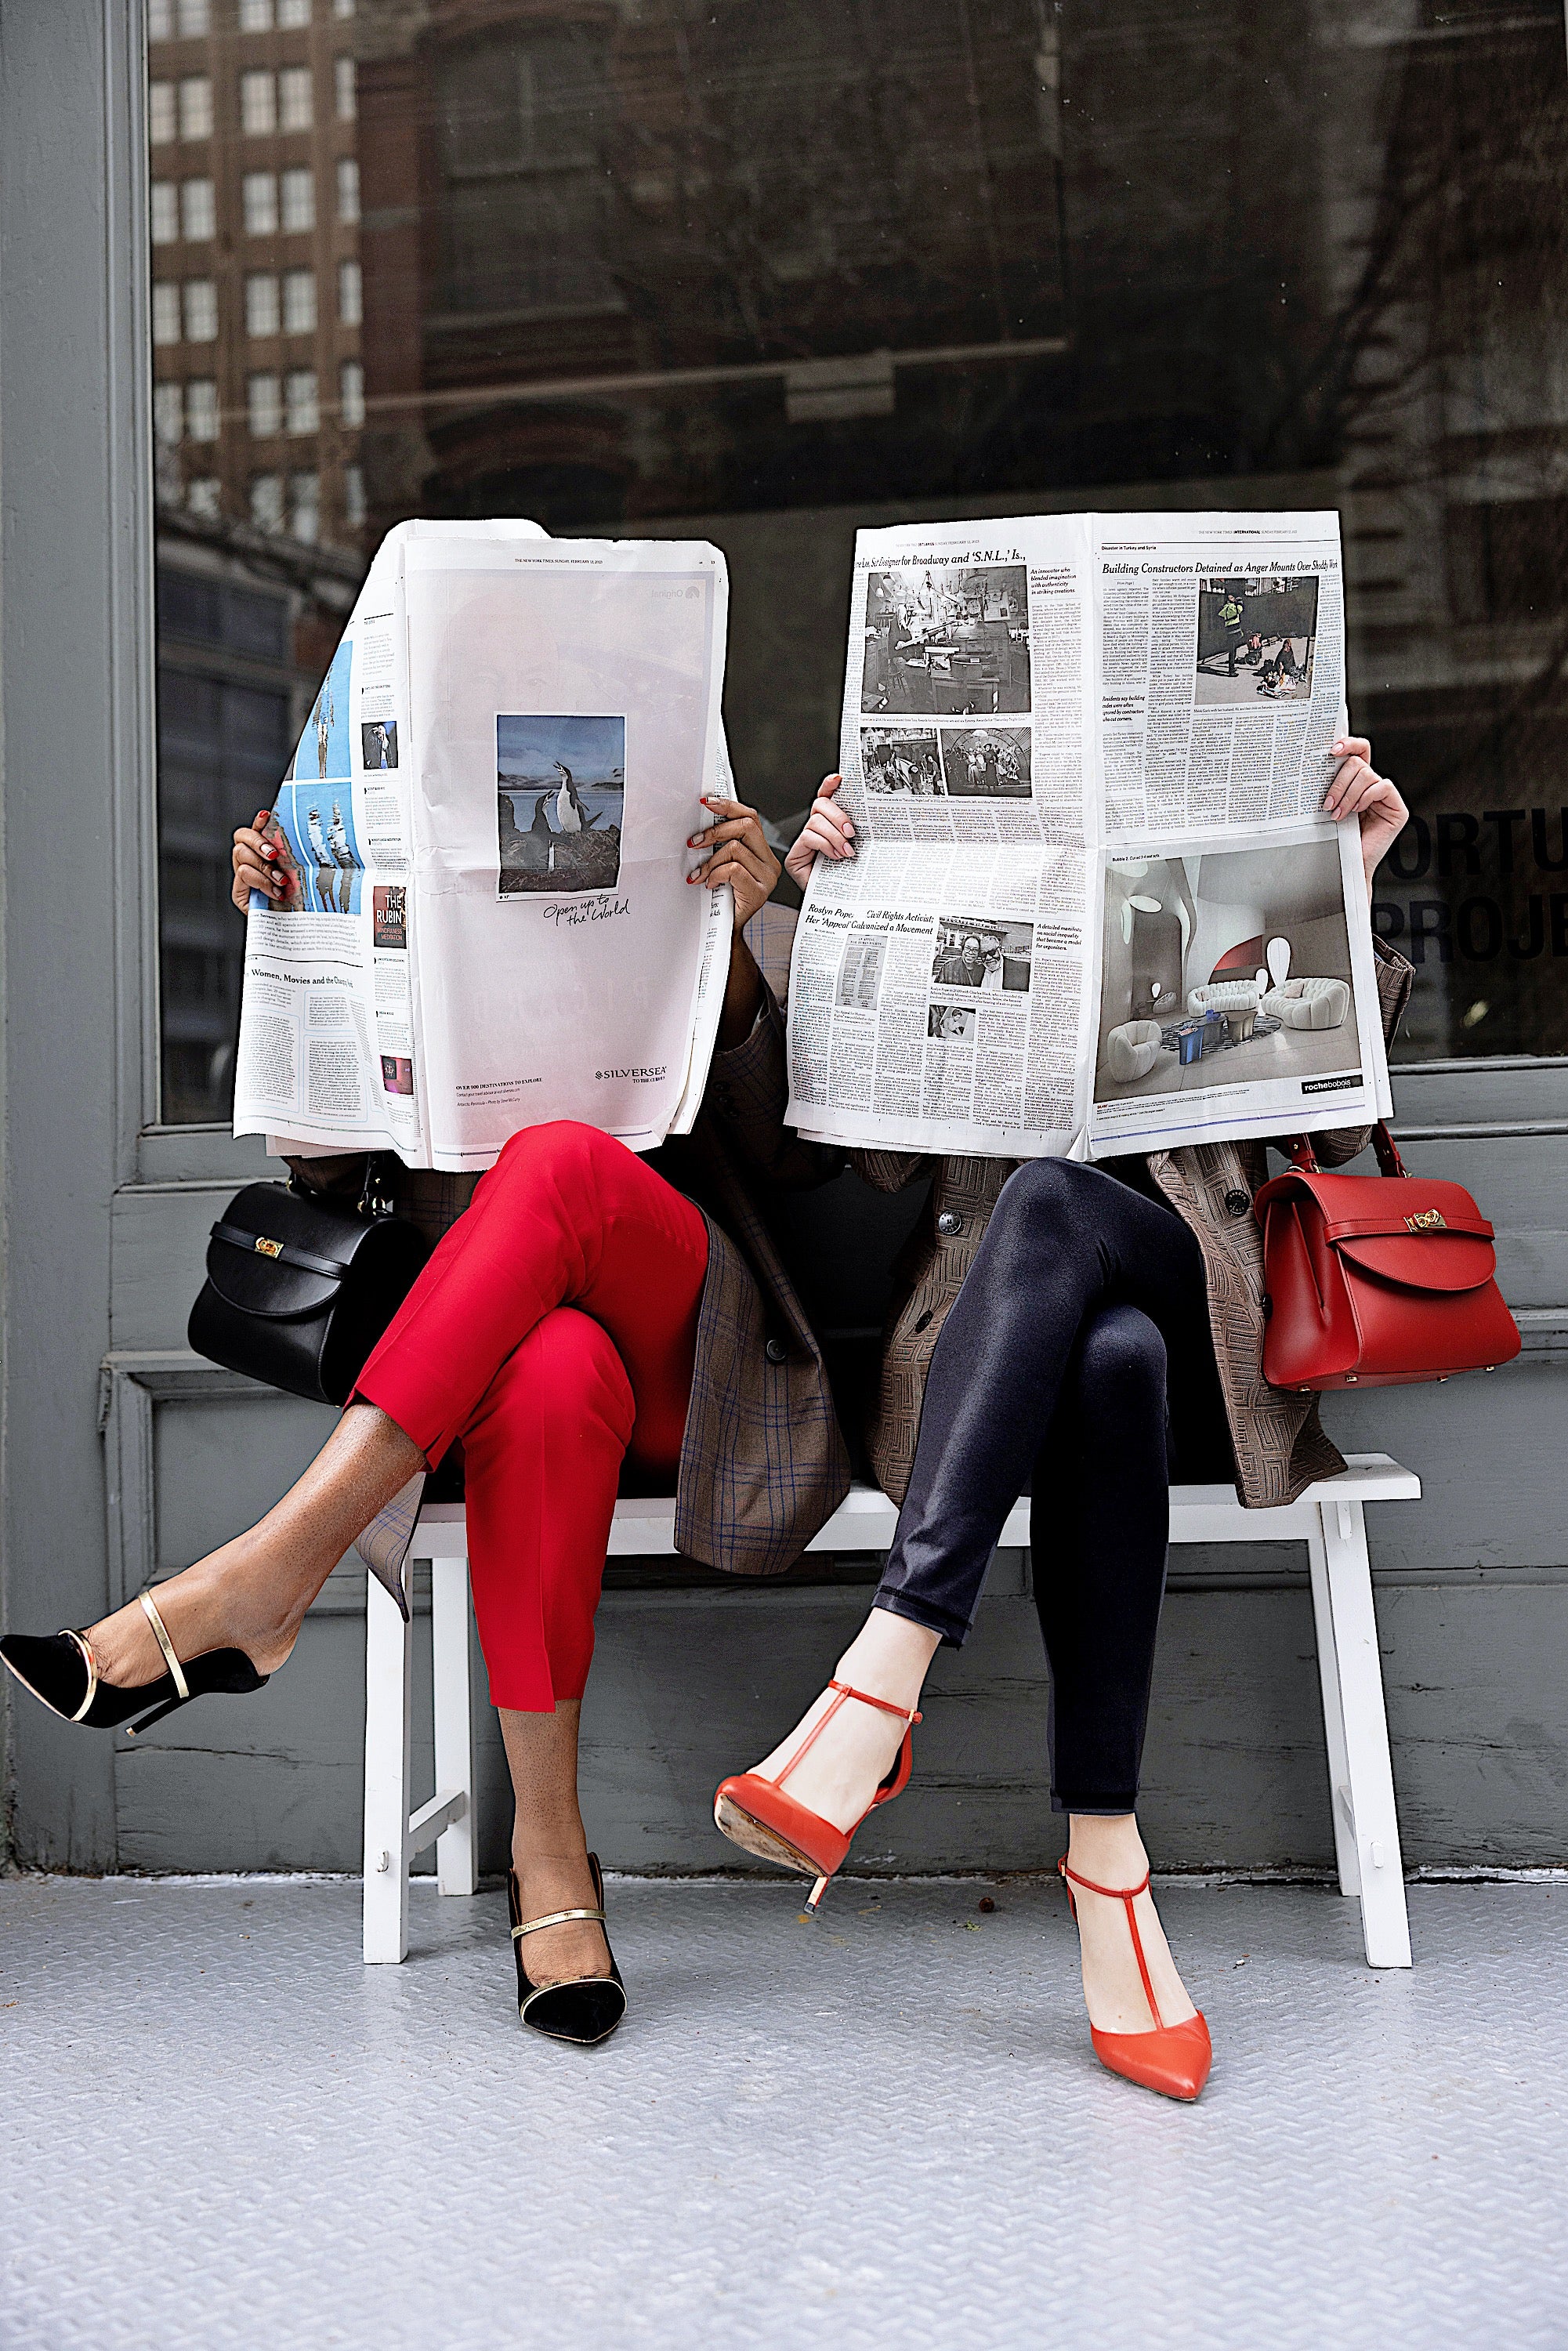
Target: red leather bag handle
x,y
1388,1150
1304,1158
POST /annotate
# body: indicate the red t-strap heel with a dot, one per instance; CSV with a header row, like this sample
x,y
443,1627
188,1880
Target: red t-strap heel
x,y
756,1815
1173,2059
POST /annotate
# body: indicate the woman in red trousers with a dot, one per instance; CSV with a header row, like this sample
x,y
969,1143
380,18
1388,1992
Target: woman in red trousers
x,y
592,1316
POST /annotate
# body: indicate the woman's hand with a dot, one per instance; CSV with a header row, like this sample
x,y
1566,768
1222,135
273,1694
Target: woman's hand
x,y
254,864
1357,789
736,851
828,832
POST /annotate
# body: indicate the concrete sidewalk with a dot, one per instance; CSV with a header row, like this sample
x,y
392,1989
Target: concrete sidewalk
x,y
885,2128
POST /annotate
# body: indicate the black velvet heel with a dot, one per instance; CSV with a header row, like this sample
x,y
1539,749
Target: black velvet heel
x,y
585,2010
60,1670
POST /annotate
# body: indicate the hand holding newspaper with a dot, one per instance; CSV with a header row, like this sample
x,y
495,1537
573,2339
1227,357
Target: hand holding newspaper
x,y
485,921
1095,903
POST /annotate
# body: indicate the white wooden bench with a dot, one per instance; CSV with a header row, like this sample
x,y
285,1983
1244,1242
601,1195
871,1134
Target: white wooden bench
x,y
1330,1518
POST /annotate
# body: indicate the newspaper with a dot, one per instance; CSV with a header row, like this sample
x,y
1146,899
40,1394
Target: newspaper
x,y
1095,906
486,922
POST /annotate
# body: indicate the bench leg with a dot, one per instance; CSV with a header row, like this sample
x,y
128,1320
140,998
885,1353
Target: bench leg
x,y
1333,1716
455,1857
1358,1721
388,1768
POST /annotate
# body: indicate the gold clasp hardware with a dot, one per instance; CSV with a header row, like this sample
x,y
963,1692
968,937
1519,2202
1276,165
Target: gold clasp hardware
x,y
1430,1220
266,1248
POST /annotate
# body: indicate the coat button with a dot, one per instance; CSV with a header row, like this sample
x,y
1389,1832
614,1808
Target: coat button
x,y
1237,1204
921,1320
947,1222
776,1351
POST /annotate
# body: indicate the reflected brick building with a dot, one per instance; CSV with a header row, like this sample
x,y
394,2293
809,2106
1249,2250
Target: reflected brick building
x,y
257,399
623,261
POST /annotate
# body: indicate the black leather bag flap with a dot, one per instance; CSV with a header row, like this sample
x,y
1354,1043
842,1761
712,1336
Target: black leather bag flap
x,y
280,1255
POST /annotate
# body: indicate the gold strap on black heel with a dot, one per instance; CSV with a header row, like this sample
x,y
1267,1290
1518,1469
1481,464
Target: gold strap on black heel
x,y
161,1633
555,1918
90,1662
176,1671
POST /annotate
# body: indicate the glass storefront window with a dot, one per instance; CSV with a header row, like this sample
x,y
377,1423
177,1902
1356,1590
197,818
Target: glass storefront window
x,y
765,275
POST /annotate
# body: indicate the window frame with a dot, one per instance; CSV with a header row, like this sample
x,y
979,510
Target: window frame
x,y
256,77
267,225
295,180
294,82
202,108
207,205
298,292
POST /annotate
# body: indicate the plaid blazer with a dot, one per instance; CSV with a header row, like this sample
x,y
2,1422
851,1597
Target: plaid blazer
x,y
763,1462
1275,1433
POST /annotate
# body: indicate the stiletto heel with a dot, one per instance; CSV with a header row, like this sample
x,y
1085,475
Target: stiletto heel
x,y
584,2009
1173,2059
61,1671
756,1815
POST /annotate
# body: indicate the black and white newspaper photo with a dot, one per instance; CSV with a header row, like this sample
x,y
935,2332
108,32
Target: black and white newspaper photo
x,y
946,640
1095,901
485,830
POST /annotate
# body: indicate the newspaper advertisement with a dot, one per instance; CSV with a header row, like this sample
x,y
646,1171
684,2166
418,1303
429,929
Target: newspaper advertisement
x,y
1095,906
485,921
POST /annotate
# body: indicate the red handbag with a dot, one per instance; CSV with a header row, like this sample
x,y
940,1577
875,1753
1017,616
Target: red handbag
x,y
1376,1281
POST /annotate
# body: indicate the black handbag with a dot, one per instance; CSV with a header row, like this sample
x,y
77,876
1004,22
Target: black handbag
x,y
299,1287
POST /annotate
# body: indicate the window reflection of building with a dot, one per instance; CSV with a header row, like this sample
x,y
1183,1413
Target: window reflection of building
x,y
257,402
225,687
729,223
764,274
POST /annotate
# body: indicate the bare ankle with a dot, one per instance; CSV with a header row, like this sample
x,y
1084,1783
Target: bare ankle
x,y
889,1657
1107,1847
548,1849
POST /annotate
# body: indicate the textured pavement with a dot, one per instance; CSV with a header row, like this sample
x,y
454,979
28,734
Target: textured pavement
x,y
883,2128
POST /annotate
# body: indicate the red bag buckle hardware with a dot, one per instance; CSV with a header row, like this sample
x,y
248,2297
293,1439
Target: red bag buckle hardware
x,y
1427,1220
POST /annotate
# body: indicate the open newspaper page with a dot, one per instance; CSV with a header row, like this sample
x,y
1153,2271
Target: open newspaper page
x,y
940,984
522,944
1038,715
1236,988
326,1052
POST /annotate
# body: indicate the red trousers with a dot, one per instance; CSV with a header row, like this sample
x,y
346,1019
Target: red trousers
x,y
553,1331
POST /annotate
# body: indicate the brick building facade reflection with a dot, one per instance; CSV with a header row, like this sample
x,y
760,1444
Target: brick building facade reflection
x,y
625,262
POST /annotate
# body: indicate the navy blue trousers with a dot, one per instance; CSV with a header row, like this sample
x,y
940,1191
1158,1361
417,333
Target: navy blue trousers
x,y
1075,1364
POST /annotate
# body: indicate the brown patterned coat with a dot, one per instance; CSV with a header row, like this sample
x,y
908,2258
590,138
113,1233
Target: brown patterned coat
x,y
1279,1442
763,1462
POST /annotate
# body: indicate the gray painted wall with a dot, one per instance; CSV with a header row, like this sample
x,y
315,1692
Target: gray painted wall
x,y
105,1217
